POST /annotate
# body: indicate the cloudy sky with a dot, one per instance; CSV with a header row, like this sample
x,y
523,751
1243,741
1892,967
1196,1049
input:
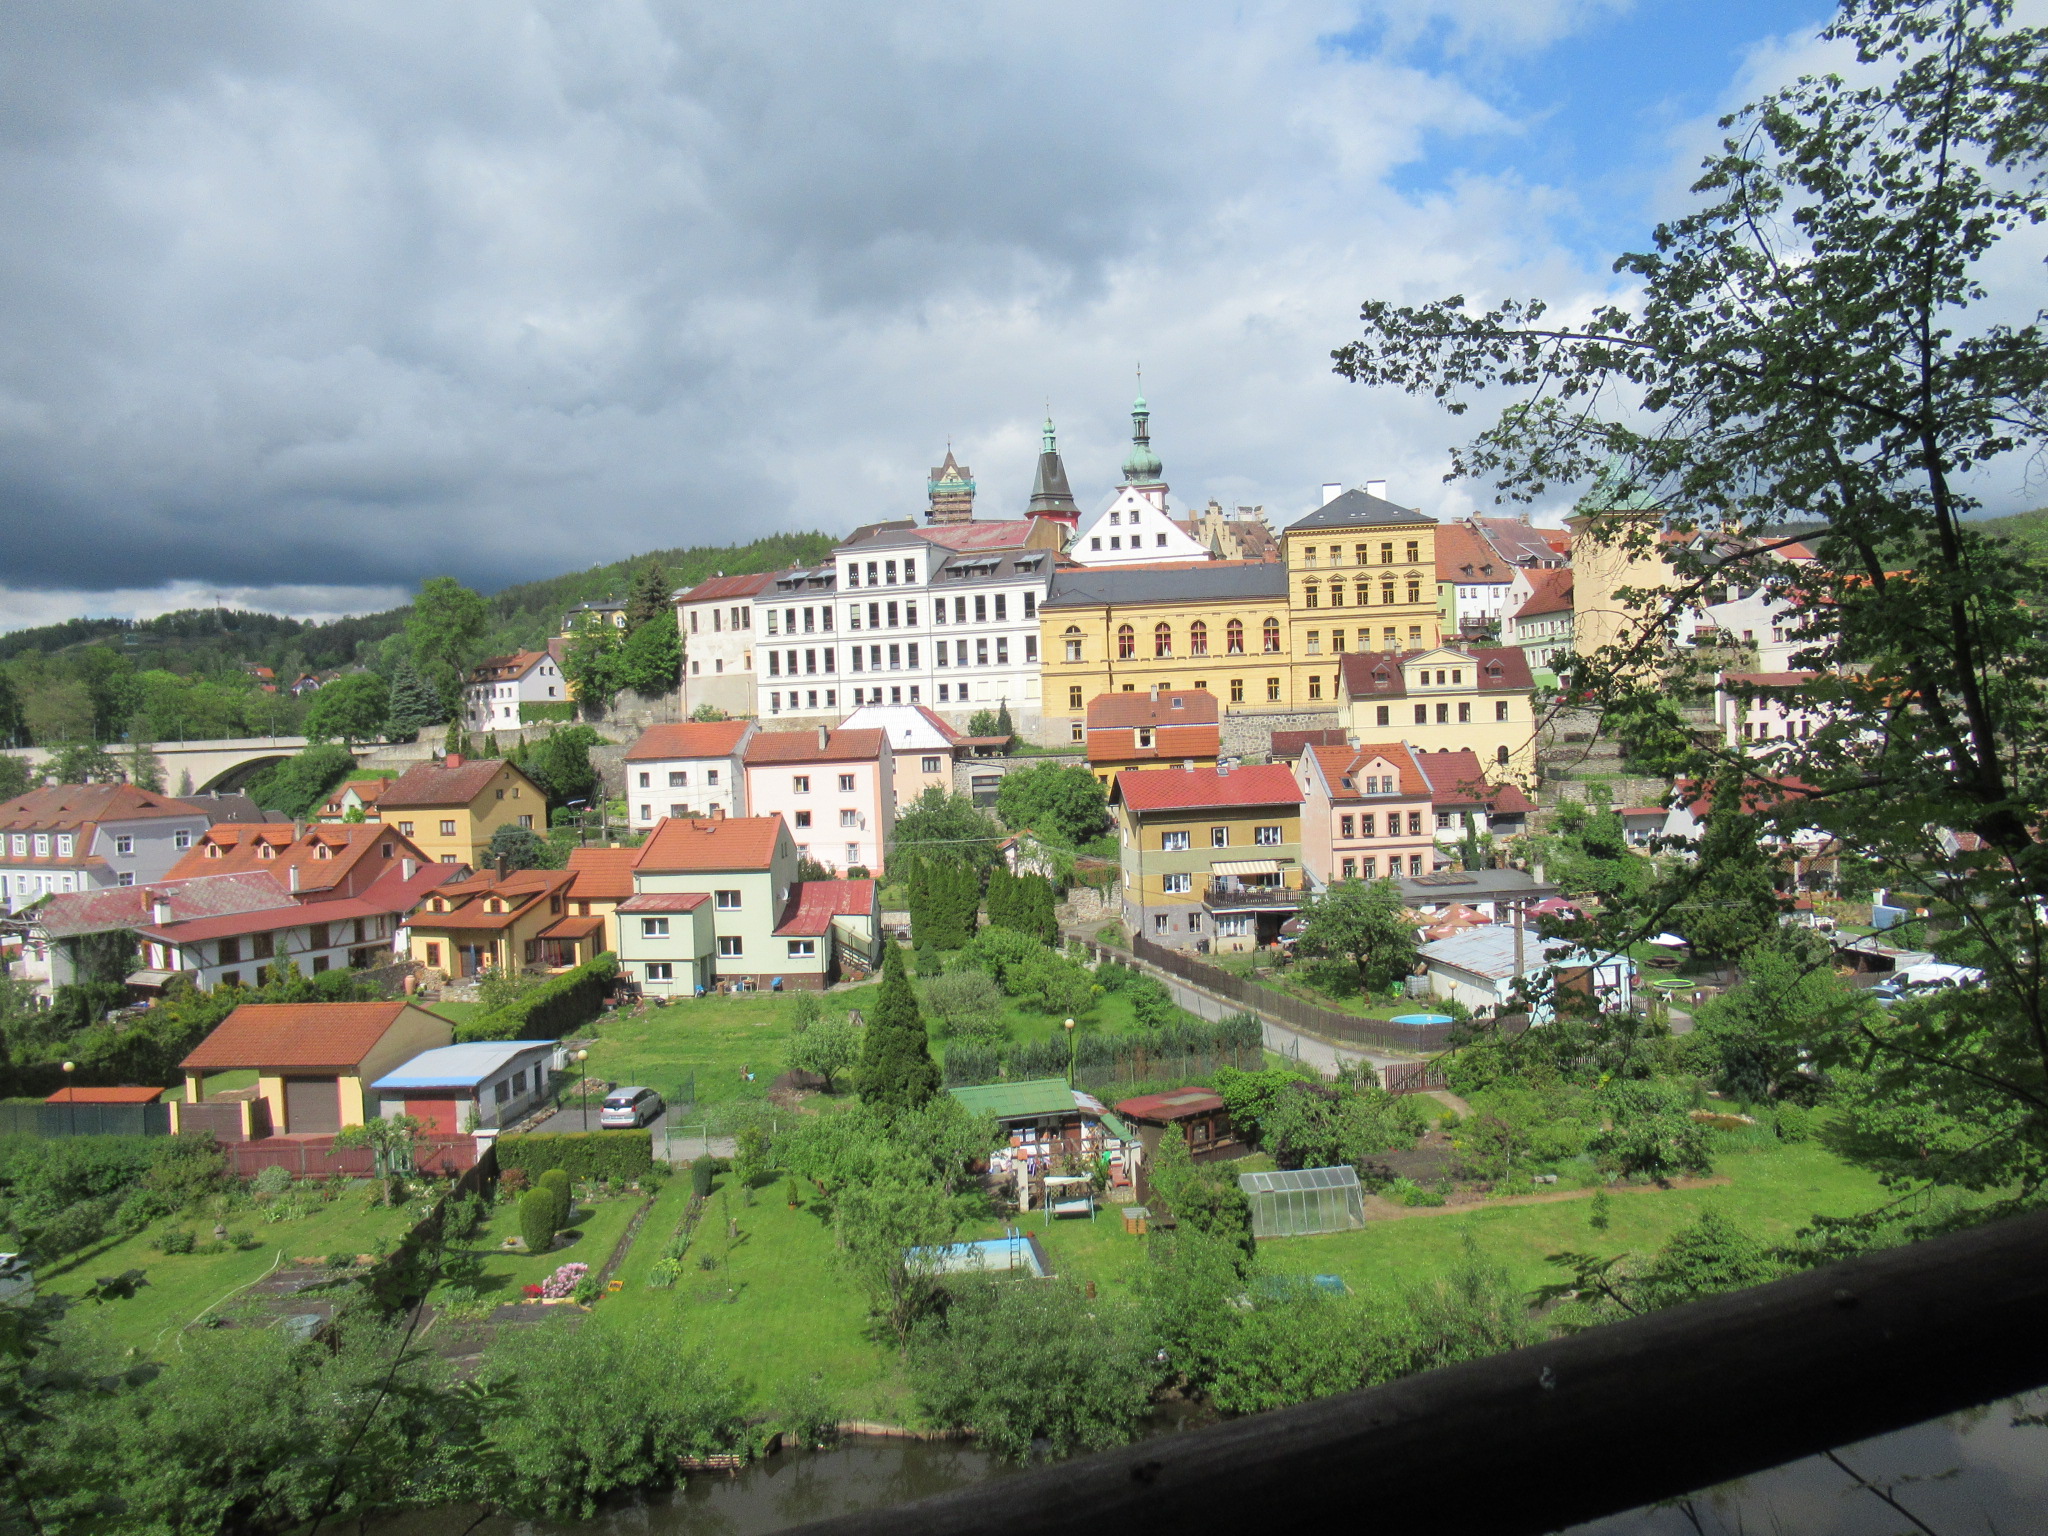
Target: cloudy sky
x,y
305,302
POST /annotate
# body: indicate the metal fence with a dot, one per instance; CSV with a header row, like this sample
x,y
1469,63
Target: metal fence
x,y
48,1120
316,1157
1327,1022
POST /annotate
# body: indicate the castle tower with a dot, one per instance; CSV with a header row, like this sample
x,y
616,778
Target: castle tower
x,y
1051,496
951,489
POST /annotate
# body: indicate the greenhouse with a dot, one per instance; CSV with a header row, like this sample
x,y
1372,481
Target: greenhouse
x,y
1304,1201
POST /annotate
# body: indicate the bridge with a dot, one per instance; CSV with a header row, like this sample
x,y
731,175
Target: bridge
x,y
193,767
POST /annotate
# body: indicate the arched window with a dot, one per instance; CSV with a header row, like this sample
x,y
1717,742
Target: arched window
x,y
1500,755
1233,637
1198,639
1162,639
1272,632
1311,596
1387,593
1126,642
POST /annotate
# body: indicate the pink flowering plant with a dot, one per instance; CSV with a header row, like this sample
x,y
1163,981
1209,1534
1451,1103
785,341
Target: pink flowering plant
x,y
562,1282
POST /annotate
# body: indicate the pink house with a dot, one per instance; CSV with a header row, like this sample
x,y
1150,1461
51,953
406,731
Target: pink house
x,y
835,789
1367,812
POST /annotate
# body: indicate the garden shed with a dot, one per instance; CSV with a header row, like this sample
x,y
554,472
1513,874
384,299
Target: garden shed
x,y
1303,1201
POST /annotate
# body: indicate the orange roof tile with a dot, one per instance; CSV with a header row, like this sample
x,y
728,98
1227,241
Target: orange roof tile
x,y
602,874
1345,768
803,747
1171,706
719,588
333,1037
454,782
326,854
1174,789
1550,592
691,738
736,842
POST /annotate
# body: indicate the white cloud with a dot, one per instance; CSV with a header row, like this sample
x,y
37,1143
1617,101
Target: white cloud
x,y
24,609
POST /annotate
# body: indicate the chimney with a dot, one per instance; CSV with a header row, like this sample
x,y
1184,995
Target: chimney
x,y
824,738
1376,488
298,828
159,908
291,879
452,760
1331,491
407,868
1536,873
504,866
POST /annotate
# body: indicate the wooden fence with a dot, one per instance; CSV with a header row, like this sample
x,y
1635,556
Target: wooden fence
x,y
1412,1076
1344,1028
316,1157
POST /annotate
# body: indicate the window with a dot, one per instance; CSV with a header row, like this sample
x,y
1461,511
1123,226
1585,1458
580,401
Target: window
x,y
1336,594
1095,543
727,901
1159,922
849,818
1464,714
1368,826
931,765
800,783
1422,714
121,844
1073,650
1074,700
1266,837
1414,864
1144,735
1443,714
1312,595
1219,837
658,970
1415,823
1351,869
1501,756
653,927
447,829
646,781
1386,593
846,783
127,877
1387,554
1126,642
1500,709
1347,826
181,839
1173,842
1315,642
1176,885
1233,637
1315,686
729,945
1236,690
647,813
1002,651
1272,636
803,949
803,819
434,956
1272,690
1079,733
1030,647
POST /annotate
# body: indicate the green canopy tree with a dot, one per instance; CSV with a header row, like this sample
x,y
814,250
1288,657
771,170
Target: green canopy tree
x,y
650,661
350,709
897,1072
1054,800
1363,922
295,786
85,762
1725,900
652,598
443,630
945,826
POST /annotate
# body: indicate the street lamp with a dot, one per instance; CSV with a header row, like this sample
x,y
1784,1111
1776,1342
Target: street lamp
x,y
1070,1053
582,1085
70,1100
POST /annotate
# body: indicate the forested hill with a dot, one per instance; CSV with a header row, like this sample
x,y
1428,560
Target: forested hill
x,y
2025,528
205,639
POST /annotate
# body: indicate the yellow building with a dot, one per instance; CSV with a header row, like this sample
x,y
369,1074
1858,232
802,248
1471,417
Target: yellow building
x,y
450,807
1218,625
313,1062
1176,728
1449,699
1359,573
1619,541
528,920
1212,857
1361,576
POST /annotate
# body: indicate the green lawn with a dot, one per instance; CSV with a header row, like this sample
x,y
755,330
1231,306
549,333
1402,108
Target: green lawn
x,y
779,1310
594,1229
457,1014
182,1286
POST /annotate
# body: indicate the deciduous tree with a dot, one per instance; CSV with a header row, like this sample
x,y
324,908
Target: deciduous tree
x,y
1362,922
351,709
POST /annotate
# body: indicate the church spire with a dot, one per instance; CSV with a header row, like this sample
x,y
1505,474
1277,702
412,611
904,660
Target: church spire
x,y
950,489
1141,464
1051,496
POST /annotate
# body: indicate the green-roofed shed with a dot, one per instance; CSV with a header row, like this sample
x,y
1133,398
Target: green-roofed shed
x,y
1019,1101
1044,1119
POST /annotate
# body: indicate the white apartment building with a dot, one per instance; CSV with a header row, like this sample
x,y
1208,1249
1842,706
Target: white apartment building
x,y
499,689
716,618
694,768
899,618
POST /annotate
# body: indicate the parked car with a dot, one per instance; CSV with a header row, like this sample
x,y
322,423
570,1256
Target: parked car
x,y
627,1109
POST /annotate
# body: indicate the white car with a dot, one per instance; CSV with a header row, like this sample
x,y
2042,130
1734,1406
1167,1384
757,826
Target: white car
x,y
627,1109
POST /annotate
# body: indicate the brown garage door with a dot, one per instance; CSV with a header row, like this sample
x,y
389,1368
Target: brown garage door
x,y
312,1105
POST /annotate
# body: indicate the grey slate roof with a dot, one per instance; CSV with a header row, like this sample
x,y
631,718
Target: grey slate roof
x,y
1214,580
1355,509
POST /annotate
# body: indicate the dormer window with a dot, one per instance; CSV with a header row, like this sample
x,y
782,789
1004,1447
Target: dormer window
x,y
322,851
494,905
265,851
213,850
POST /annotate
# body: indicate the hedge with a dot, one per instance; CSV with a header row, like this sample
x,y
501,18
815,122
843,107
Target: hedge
x,y
551,1010
534,714
580,1154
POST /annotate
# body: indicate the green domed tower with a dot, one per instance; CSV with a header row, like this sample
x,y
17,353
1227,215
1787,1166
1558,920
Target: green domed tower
x,y
1141,464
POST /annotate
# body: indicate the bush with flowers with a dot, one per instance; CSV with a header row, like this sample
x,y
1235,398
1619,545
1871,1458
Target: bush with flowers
x,y
530,1290
562,1283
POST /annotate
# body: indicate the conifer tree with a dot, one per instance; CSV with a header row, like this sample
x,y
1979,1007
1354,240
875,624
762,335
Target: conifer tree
x,y
415,704
652,598
897,1072
1005,726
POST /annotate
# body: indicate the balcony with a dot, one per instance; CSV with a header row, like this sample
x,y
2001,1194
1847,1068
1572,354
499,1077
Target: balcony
x,y
1222,896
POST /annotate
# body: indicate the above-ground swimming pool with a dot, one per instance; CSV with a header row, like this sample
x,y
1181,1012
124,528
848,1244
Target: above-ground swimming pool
x,y
995,1255
1420,1018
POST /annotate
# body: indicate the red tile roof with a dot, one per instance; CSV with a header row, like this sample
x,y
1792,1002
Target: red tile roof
x,y
438,784
330,1037
327,854
692,738
1456,777
1002,533
1169,706
1175,789
665,901
602,874
1346,768
840,746
1383,674
70,913
1464,557
1289,745
719,588
105,1096
505,668
1174,1104
367,791
64,807
814,903
685,844
390,895
1550,592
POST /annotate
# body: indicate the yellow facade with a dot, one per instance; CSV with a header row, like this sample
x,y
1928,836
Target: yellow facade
x,y
1082,652
1366,588
1446,706
1612,551
460,833
1171,892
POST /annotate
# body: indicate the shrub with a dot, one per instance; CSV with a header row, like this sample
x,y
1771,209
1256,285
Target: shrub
x,y
1050,983
174,1240
1795,1122
537,1212
965,1004
271,1181
702,1172
563,1281
556,1183
551,1010
587,1290
581,1154
1000,951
